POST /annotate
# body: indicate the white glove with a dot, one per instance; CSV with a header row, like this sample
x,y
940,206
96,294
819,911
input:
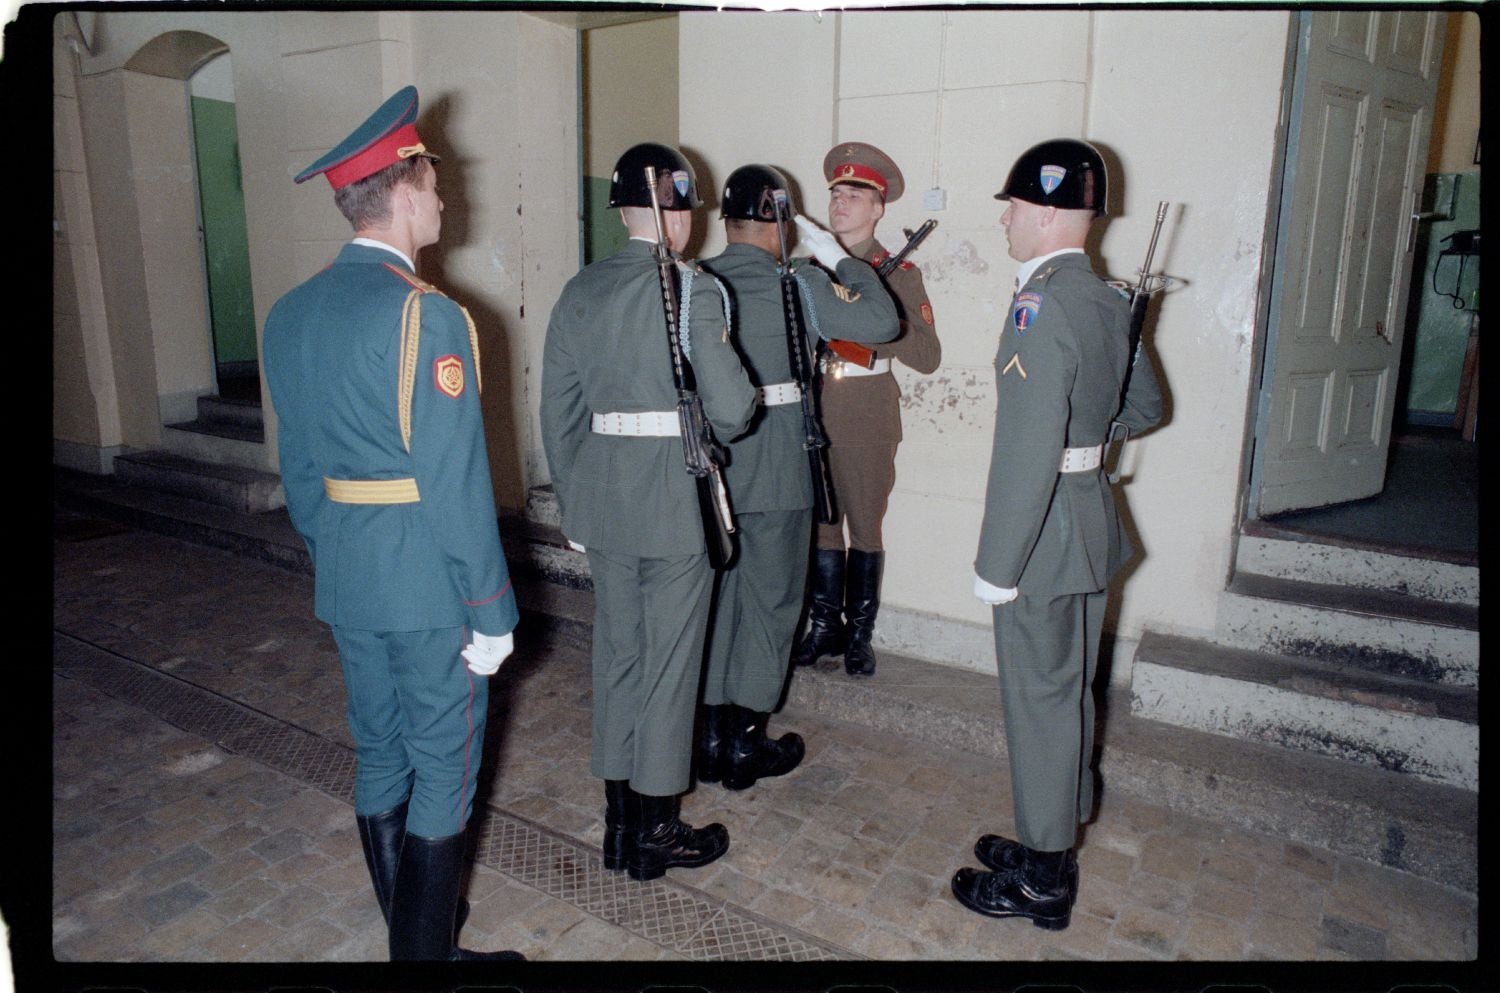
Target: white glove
x,y
993,595
824,246
486,653
576,546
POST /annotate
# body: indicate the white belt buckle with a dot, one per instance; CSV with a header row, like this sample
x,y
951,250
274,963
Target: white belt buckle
x,y
1081,459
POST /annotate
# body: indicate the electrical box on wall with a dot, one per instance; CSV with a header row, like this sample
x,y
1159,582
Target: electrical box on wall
x,y
935,199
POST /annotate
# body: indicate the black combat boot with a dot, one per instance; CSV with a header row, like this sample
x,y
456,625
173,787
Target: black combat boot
x,y
1036,890
825,627
621,811
424,899
752,755
714,743
861,602
662,841
1002,854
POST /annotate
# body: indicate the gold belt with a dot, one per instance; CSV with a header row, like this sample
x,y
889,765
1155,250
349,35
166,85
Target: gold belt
x,y
372,490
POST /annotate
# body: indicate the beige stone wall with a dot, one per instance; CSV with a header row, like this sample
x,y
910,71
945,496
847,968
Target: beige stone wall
x,y
954,97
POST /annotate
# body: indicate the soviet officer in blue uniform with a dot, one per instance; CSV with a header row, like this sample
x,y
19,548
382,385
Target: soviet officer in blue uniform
x,y
760,594
1052,538
375,378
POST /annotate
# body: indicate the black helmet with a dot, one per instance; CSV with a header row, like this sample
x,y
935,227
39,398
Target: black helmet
x,y
750,194
676,188
1062,173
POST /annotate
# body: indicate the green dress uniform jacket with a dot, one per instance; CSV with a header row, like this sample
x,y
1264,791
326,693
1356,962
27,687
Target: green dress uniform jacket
x,y
760,595
631,503
1058,386
421,570
768,465
607,352
1055,536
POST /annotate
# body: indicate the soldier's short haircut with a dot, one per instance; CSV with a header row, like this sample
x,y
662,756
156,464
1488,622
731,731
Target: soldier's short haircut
x,y
366,203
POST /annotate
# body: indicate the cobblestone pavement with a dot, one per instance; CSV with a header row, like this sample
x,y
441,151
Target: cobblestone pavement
x,y
202,812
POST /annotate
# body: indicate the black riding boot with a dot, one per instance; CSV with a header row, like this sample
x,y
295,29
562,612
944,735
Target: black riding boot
x,y
621,812
825,628
861,602
752,755
424,899
663,841
714,743
381,836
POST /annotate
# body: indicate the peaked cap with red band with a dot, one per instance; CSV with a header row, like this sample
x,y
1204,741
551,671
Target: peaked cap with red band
x,y
385,138
863,165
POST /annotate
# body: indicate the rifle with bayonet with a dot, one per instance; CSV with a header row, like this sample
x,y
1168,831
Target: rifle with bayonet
x,y
861,355
1147,285
701,452
814,441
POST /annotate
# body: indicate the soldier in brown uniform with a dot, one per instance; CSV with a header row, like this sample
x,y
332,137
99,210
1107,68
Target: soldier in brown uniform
x,y
862,417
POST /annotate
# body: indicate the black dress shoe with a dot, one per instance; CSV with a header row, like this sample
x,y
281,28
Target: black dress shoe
x,y
1002,855
1037,890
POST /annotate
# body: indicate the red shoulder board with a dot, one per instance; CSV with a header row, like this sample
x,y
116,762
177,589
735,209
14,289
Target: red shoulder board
x,y
410,279
905,265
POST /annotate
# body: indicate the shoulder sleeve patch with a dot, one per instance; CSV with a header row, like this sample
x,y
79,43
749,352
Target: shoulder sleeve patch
x,y
1028,305
927,312
448,375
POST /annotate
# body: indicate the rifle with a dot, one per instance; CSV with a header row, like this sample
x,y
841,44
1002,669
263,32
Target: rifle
x,y
853,352
702,454
1140,298
814,441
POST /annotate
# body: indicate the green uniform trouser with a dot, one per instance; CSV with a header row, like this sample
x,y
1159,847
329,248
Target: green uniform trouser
x,y
863,477
650,617
1047,651
417,715
756,610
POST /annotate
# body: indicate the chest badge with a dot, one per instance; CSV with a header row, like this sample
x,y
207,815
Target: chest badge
x,y
1028,304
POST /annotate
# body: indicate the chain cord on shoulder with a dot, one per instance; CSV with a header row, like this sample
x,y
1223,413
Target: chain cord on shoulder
x,y
473,344
684,311
807,303
411,341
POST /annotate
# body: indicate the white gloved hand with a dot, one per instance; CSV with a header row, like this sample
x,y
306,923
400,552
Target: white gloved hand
x,y
993,595
486,652
576,546
824,246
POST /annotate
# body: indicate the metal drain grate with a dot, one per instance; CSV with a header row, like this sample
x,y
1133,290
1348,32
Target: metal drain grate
x,y
668,914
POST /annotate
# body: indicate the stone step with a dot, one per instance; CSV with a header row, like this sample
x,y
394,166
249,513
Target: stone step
x,y
214,441
1368,813
1409,726
247,490
1315,561
1364,629
214,409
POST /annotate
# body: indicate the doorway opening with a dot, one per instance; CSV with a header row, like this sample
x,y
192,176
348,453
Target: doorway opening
x,y
1344,452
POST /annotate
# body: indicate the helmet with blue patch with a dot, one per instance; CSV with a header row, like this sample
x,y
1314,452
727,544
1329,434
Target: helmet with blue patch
x,y
1064,173
676,186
